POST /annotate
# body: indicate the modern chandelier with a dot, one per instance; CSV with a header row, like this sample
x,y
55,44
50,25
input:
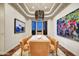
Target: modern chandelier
x,y
39,14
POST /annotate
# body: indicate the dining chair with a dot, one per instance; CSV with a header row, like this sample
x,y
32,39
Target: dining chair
x,y
24,45
38,48
54,44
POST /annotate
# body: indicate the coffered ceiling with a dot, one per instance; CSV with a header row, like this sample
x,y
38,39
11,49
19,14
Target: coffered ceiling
x,y
28,9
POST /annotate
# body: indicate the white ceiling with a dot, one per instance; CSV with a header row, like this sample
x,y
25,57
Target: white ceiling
x,y
39,6
28,9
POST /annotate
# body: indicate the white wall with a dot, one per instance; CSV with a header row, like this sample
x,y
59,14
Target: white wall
x,y
1,27
8,39
50,27
11,39
29,27
71,45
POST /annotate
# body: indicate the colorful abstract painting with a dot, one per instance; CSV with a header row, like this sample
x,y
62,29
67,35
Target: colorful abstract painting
x,y
68,26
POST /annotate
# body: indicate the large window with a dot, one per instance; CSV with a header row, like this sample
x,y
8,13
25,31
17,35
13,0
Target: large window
x,y
39,26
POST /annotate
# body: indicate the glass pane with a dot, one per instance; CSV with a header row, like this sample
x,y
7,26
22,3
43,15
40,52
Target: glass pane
x,y
33,27
39,25
45,27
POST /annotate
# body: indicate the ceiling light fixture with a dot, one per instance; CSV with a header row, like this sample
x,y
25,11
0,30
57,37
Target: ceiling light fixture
x,y
45,7
33,7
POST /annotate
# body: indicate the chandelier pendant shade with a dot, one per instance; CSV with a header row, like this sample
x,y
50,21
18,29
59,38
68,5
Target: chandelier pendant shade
x,y
39,14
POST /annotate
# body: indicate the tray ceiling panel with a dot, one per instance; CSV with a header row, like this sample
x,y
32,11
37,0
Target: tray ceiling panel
x,y
28,9
39,6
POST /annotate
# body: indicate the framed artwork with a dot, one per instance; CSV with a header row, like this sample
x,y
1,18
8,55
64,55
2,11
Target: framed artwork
x,y
19,26
68,26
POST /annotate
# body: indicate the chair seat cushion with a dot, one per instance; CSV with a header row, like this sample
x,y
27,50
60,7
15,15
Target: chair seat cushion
x,y
26,47
52,48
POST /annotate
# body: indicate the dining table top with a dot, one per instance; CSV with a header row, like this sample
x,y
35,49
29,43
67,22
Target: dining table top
x,y
39,38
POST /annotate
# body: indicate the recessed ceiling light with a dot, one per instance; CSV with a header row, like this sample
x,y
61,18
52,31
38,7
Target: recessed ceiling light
x,y
33,7
45,7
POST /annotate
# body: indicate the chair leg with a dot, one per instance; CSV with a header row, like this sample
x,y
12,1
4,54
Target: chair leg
x,y
56,53
21,51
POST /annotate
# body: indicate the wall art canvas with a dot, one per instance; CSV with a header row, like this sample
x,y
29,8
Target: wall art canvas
x,y
19,26
68,26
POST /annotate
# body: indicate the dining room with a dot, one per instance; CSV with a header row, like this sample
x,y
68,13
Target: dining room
x,y
39,29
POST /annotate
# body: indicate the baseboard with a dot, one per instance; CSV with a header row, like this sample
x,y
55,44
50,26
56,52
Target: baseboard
x,y
11,51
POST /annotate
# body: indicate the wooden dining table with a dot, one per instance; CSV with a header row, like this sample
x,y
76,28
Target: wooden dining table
x,y
39,45
39,38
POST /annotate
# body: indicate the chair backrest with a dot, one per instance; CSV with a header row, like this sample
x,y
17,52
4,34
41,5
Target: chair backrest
x,y
39,48
23,41
54,41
